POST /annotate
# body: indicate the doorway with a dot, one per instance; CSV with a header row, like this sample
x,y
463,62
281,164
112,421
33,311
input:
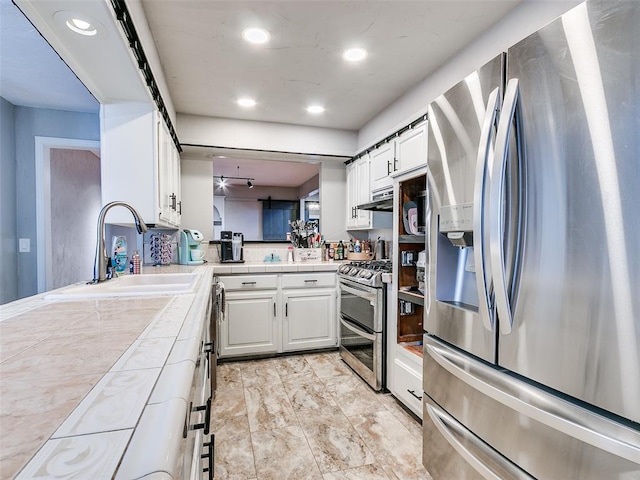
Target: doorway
x,y
68,204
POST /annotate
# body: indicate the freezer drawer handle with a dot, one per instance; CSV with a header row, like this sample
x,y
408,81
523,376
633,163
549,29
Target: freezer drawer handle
x,y
413,392
311,281
451,431
248,283
539,405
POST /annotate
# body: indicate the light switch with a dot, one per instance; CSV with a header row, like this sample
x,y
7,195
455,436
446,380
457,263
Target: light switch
x,y
24,245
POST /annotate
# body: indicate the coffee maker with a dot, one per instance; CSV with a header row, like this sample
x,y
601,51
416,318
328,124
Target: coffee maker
x,y
191,252
231,247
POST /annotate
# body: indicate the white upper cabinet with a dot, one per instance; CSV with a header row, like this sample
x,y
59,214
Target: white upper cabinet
x,y
140,164
169,177
411,149
358,192
382,164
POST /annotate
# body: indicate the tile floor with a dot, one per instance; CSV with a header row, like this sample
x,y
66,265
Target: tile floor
x,y
310,417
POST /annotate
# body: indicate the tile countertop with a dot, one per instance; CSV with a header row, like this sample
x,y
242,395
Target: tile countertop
x,y
76,375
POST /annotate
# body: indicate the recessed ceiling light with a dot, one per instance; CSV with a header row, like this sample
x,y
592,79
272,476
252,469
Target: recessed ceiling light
x,y
79,23
80,26
354,54
246,102
315,109
256,35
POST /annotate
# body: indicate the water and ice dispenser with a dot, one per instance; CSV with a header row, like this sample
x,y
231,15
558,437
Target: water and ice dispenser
x,y
455,274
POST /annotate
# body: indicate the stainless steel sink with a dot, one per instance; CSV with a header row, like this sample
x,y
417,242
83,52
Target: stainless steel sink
x,y
130,286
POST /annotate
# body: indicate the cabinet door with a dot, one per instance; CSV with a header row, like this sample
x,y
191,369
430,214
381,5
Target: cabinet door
x,y
411,148
363,217
381,166
250,324
309,319
352,199
168,176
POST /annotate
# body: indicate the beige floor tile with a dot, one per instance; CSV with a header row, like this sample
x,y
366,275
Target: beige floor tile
x,y
228,374
283,454
394,447
259,372
233,449
366,472
310,417
334,442
229,402
328,365
294,367
353,396
308,393
268,407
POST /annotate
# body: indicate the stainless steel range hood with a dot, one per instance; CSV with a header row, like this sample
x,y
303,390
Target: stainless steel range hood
x,y
381,202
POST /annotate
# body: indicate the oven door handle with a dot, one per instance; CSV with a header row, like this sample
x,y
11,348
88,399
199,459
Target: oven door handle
x,y
347,324
358,292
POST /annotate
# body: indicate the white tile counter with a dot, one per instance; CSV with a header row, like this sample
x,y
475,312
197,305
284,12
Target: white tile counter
x,y
77,376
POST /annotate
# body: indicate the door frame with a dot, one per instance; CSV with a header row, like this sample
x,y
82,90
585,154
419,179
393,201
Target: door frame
x,y
43,147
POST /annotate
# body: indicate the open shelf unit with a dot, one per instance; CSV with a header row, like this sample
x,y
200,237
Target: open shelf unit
x,y
410,299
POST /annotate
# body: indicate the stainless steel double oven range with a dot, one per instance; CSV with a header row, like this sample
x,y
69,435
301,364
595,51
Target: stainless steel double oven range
x,y
363,318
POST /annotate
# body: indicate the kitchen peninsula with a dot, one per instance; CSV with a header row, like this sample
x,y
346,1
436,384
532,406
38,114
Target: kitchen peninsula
x,y
95,366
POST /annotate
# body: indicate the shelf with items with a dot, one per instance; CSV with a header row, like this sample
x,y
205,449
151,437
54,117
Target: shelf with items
x,y
411,241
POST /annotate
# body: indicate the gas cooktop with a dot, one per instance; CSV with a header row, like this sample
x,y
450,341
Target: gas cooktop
x,y
368,272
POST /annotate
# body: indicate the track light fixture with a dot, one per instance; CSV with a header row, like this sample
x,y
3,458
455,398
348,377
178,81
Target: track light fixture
x,y
223,179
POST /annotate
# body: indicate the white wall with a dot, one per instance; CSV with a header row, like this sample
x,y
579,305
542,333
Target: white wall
x,y
523,20
333,200
245,134
196,190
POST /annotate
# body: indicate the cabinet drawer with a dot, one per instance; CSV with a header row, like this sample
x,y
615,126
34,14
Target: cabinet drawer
x,y
306,280
250,282
408,386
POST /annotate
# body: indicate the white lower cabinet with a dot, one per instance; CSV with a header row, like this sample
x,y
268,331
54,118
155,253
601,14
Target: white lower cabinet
x,y
250,324
407,383
298,313
309,319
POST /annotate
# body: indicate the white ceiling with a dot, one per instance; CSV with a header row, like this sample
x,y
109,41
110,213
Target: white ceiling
x,y
207,65
31,73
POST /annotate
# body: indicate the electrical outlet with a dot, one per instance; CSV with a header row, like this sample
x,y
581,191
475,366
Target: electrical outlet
x,y
24,245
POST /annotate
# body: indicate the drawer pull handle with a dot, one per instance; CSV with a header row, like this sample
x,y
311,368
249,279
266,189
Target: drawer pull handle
x,y
248,283
311,281
209,455
207,417
413,392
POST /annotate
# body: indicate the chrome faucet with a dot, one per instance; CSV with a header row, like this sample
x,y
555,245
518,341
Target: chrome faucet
x,y
102,259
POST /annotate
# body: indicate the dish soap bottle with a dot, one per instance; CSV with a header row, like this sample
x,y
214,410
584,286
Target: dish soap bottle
x,y
119,254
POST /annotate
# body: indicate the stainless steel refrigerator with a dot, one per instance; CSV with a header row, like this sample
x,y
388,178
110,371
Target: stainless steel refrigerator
x,y
532,321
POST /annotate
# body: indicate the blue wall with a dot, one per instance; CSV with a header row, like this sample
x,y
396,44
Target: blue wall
x,y
29,123
8,238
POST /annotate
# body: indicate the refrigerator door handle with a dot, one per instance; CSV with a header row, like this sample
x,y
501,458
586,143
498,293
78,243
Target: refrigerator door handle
x,y
466,444
496,197
480,214
537,404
